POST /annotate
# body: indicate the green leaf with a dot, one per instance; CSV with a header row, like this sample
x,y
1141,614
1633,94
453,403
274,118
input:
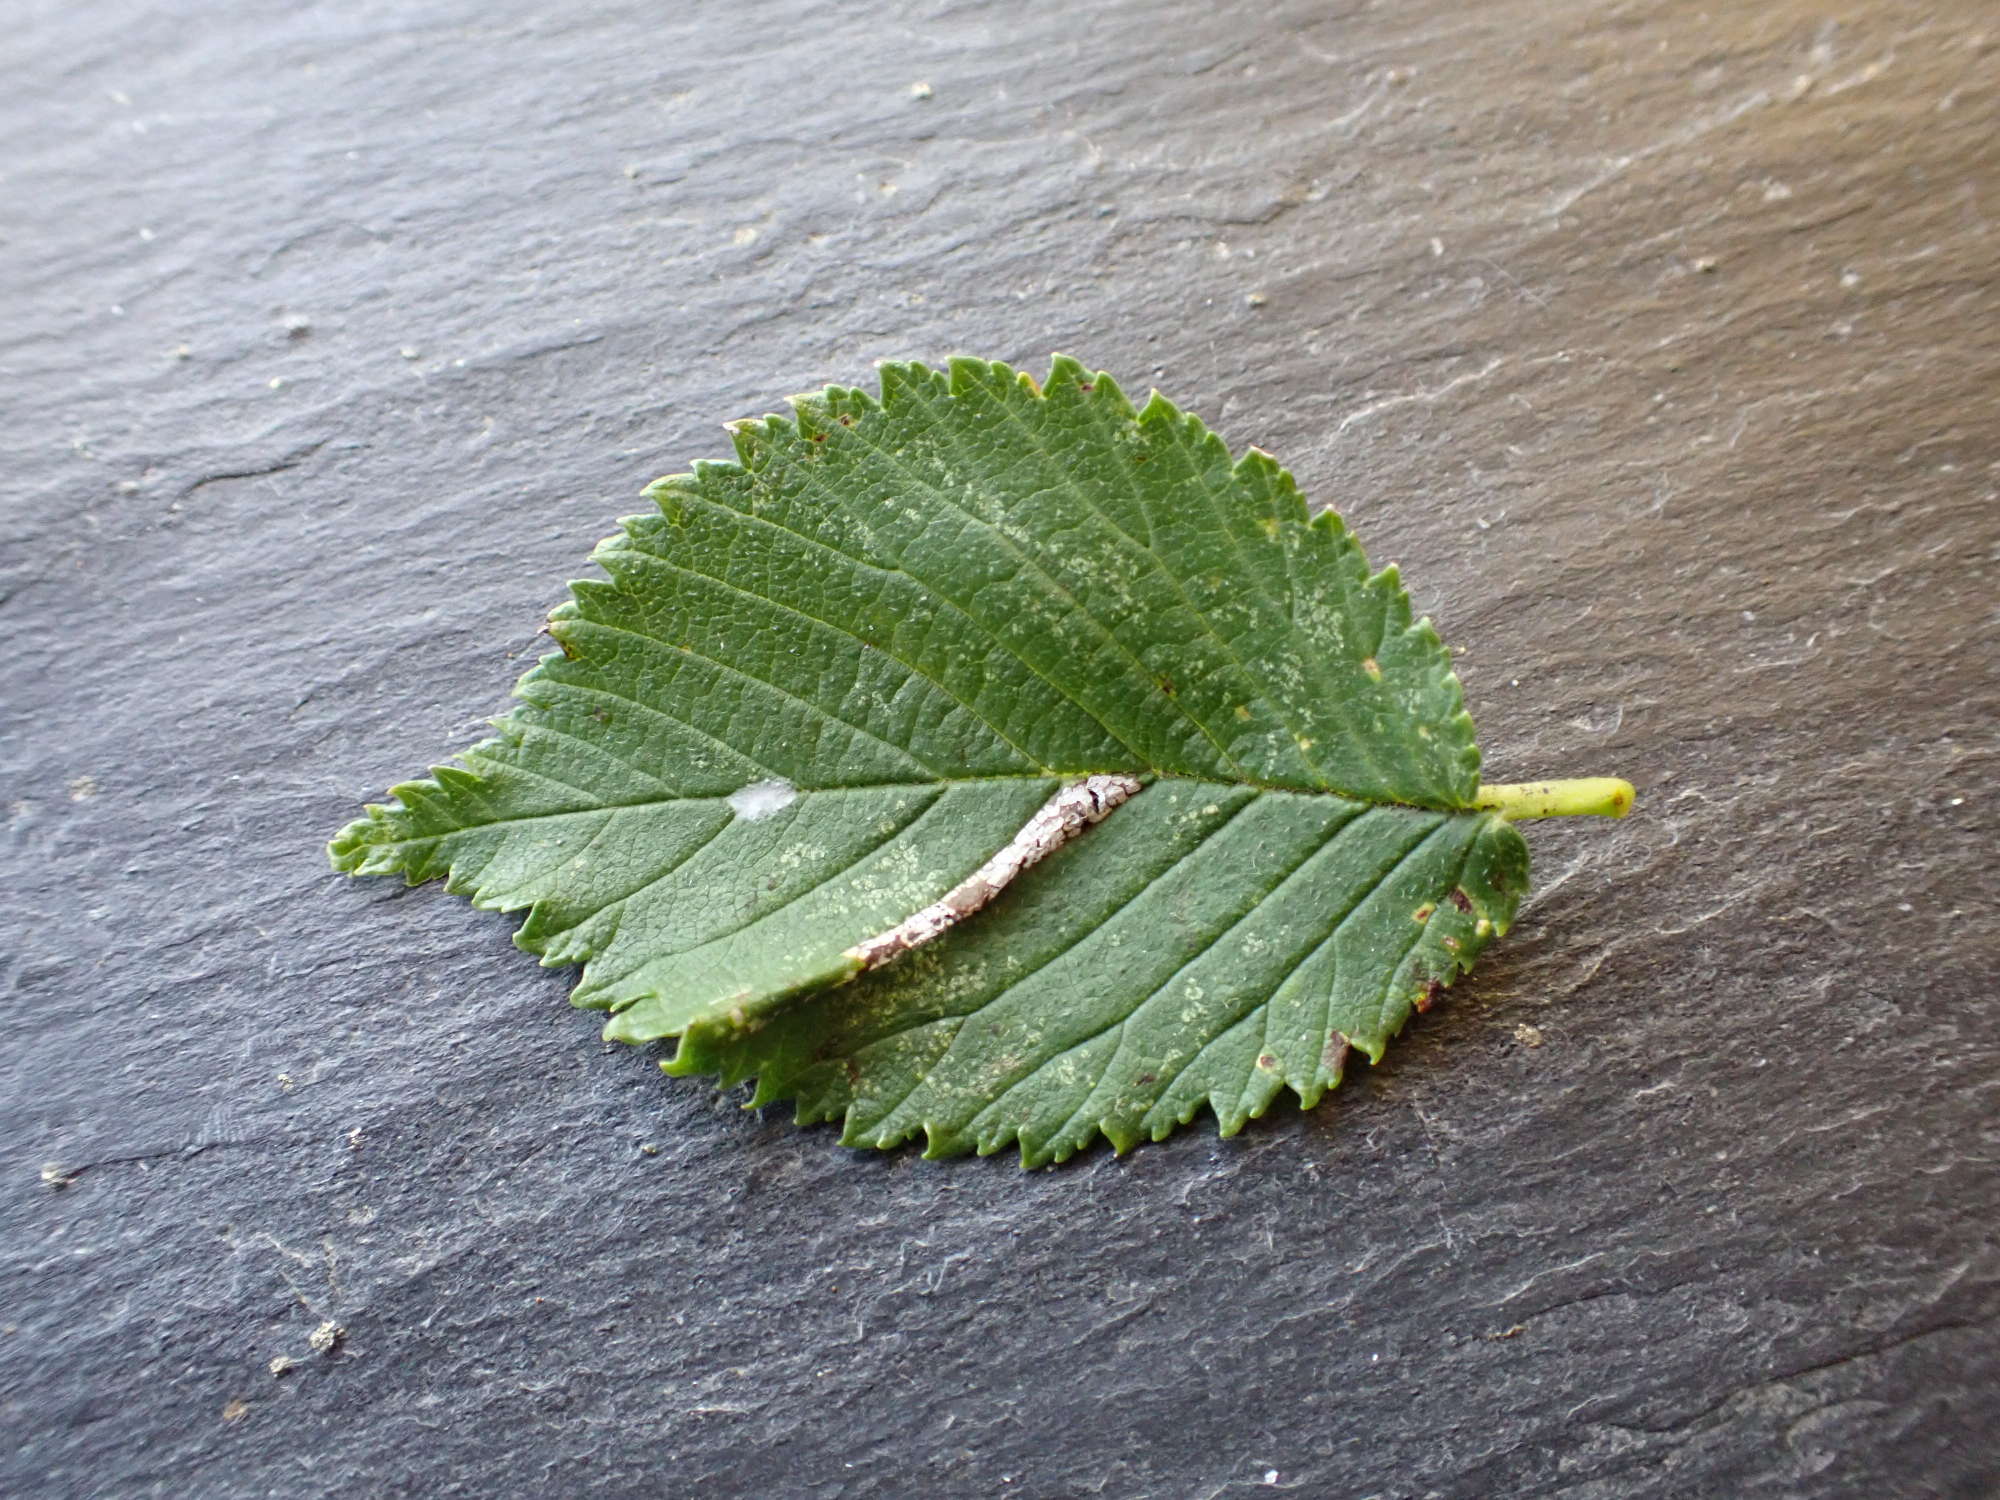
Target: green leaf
x,y
782,791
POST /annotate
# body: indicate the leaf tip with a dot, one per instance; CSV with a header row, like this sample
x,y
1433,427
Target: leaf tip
x,y
347,849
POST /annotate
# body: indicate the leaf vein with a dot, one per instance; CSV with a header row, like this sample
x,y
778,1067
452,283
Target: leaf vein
x,y
1104,633
908,666
929,806
622,902
806,703
1255,905
1333,989
1253,685
1020,979
542,727
815,485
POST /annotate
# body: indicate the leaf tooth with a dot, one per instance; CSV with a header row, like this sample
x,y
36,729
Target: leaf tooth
x,y
1121,1131
814,421
455,779
1066,374
1275,485
735,1069
965,372
848,404
778,432
1073,384
1329,521
719,476
669,494
903,384
768,1089
757,440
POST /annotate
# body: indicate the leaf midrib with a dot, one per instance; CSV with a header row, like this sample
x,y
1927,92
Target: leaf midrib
x,y
601,808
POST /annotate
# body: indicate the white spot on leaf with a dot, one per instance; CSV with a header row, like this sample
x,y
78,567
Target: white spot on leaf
x,y
762,799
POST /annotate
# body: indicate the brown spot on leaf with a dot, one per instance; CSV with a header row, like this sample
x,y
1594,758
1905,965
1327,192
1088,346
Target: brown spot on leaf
x,y
1460,900
846,421
1427,996
1267,1062
1423,913
1085,386
1334,1059
1167,686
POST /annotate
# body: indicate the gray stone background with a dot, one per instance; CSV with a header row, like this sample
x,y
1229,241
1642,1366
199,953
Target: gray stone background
x,y
1657,342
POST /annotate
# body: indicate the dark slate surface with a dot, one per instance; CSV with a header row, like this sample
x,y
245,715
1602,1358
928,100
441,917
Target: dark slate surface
x,y
1658,343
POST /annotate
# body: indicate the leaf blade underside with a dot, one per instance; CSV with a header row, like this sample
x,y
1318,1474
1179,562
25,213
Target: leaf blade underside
x,y
913,619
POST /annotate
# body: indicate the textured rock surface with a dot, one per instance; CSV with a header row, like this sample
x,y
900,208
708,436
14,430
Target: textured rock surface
x,y
1661,346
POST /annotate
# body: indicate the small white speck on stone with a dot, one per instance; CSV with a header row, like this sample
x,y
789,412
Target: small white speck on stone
x,y
762,799
922,90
